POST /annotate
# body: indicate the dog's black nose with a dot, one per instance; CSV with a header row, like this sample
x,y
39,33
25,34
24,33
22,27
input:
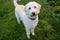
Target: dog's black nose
x,y
33,13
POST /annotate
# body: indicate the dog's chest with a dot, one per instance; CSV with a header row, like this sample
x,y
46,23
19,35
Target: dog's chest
x,y
32,23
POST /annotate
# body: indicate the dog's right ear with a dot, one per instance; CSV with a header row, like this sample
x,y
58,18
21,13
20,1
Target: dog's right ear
x,y
39,6
25,9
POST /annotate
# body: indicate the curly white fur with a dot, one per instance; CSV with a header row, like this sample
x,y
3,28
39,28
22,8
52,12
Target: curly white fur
x,y
25,14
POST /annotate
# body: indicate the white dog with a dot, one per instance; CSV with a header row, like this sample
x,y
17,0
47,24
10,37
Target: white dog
x,y
28,14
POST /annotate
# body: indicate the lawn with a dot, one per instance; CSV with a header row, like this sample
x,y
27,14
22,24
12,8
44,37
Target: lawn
x,y
48,27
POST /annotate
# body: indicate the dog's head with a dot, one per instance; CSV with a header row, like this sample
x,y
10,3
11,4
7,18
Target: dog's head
x,y
32,9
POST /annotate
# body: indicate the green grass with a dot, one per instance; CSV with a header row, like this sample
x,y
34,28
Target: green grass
x,y
48,27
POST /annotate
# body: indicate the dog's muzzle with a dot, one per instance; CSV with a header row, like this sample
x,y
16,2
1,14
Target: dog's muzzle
x,y
34,14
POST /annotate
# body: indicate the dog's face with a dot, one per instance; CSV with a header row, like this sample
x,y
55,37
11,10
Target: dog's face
x,y
32,9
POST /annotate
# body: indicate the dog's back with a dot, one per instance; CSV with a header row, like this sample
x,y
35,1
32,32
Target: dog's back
x,y
19,8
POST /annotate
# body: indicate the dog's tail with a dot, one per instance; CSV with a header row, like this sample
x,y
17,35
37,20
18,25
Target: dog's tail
x,y
15,3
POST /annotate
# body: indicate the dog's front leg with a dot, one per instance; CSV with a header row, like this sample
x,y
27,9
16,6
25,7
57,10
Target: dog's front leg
x,y
28,33
32,31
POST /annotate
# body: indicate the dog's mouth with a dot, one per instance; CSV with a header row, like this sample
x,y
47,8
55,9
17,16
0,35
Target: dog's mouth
x,y
32,18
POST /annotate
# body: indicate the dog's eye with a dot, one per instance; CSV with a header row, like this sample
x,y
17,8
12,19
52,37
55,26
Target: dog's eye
x,y
29,8
34,6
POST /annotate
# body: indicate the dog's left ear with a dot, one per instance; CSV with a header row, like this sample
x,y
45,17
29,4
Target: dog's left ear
x,y
39,6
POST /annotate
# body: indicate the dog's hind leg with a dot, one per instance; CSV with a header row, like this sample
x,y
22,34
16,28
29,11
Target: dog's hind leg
x,y
18,18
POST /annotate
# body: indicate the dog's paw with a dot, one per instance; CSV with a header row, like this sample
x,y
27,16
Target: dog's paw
x,y
33,33
28,37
